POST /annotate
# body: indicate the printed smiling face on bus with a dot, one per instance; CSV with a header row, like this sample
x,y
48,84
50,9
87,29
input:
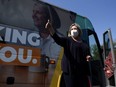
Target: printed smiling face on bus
x,y
19,45
40,15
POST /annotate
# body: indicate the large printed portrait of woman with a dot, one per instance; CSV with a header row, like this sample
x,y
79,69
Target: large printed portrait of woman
x,y
33,15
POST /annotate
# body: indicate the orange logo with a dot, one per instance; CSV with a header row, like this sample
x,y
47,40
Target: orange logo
x,y
19,55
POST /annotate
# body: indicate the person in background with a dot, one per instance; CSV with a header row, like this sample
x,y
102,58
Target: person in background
x,y
49,48
74,65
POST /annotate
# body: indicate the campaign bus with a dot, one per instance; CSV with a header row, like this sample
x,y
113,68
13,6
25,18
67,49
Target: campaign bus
x,y
29,57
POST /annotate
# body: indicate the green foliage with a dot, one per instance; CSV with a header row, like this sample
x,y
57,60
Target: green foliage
x,y
95,52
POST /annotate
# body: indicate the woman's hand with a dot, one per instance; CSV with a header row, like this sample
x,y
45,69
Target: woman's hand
x,y
88,57
49,27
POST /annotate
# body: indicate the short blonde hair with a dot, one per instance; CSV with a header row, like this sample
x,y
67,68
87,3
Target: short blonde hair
x,y
78,28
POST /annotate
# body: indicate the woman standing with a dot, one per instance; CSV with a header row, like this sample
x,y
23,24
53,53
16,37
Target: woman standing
x,y
76,56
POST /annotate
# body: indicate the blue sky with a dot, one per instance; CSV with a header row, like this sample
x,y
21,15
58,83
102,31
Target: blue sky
x,y
101,13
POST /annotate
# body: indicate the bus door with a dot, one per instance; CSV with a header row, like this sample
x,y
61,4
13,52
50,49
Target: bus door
x,y
109,59
97,76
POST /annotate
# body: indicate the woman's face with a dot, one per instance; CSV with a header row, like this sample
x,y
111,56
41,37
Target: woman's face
x,y
74,31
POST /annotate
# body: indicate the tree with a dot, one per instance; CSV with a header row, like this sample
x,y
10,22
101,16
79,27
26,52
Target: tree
x,y
94,51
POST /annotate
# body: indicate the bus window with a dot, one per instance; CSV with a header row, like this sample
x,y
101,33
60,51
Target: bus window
x,y
109,58
107,46
96,63
94,48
